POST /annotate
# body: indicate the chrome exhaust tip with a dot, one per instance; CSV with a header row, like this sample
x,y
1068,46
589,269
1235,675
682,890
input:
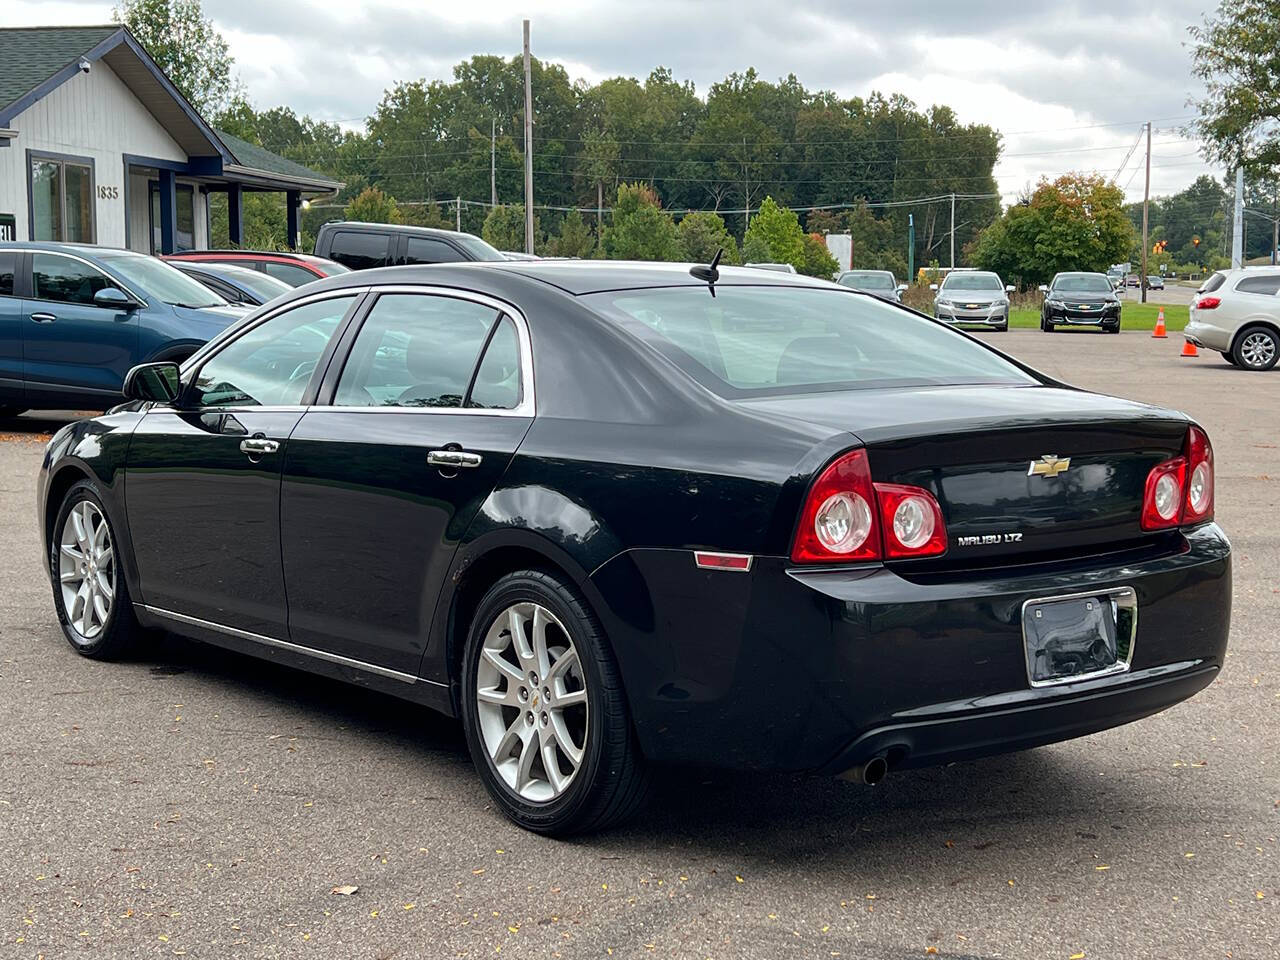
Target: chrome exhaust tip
x,y
869,773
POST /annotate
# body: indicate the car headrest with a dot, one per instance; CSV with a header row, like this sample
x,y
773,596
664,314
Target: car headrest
x,y
813,360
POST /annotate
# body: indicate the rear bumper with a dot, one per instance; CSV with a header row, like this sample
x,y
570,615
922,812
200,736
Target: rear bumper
x,y
1209,336
818,670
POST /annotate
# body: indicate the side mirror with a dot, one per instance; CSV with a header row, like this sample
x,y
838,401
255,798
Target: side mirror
x,y
1009,288
901,288
114,298
933,286
1042,288
155,382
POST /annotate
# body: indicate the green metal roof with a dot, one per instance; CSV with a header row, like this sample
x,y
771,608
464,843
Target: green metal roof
x,y
31,55
251,155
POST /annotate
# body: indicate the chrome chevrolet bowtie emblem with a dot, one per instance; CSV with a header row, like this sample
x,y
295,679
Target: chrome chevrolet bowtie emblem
x,y
1048,466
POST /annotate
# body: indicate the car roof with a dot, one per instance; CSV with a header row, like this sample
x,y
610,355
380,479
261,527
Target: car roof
x,y
221,269
1079,273
360,226
197,255
574,277
60,246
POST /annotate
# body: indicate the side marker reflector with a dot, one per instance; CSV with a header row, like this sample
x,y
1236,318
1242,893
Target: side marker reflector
x,y
740,562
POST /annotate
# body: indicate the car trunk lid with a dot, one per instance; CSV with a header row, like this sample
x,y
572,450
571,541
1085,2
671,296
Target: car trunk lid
x,y
1021,473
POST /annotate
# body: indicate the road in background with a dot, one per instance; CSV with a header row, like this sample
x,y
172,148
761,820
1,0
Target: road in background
x,y
195,802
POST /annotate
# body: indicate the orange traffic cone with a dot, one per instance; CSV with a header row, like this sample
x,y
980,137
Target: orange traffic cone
x,y
1189,349
1159,331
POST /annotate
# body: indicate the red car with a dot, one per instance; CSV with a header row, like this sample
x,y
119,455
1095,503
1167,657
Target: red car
x,y
294,269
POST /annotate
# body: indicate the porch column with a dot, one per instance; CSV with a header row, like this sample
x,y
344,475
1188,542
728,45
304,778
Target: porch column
x,y
235,215
293,199
168,213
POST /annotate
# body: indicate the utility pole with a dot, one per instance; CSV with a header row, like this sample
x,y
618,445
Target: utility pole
x,y
1146,197
1237,222
528,147
953,230
746,187
459,210
599,210
911,248
1275,227
493,161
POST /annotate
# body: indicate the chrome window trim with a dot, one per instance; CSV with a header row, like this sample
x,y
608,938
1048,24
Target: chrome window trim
x,y
527,406
1125,597
116,281
287,646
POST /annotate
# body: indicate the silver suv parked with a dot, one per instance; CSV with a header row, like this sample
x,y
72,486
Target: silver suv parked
x,y
1237,313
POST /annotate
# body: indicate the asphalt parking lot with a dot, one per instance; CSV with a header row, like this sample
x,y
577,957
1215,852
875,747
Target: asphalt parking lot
x,y
194,802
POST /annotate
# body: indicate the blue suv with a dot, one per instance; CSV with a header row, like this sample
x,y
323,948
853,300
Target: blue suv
x,y
74,318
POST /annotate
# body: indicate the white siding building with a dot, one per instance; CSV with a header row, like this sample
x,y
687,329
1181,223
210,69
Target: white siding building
x,y
97,146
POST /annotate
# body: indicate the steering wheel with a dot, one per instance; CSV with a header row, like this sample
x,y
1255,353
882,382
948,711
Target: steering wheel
x,y
304,369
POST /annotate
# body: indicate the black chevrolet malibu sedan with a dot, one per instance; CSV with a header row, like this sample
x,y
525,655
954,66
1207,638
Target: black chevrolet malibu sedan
x,y
614,515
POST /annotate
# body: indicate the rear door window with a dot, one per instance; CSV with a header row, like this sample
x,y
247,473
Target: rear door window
x,y
359,250
417,350
1265,286
431,250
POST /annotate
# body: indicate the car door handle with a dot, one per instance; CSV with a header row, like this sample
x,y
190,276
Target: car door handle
x,y
453,458
43,317
257,446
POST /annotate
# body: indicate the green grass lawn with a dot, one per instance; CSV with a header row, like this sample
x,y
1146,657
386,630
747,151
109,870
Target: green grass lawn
x,y
1133,316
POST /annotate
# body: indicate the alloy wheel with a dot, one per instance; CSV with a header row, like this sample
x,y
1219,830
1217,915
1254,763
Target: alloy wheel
x,y
1258,349
86,570
531,699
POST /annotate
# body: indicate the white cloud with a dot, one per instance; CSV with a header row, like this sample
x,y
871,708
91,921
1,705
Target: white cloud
x,y
1068,85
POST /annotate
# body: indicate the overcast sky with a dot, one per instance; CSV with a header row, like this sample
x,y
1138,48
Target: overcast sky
x,y
1068,84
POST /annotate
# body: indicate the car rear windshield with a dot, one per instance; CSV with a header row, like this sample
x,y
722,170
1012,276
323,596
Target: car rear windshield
x,y
1213,283
764,340
477,248
870,280
1083,283
972,281
155,278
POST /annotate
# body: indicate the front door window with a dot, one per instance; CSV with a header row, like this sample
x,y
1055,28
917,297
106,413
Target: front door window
x,y
61,199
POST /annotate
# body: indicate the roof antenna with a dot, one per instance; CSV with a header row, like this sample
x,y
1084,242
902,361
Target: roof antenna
x,y
711,273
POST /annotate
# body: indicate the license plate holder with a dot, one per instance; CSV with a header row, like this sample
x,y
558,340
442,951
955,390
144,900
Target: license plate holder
x,y
1079,636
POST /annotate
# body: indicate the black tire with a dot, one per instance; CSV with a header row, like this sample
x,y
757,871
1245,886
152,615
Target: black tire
x,y
1229,358
1249,334
1115,329
611,783
1048,326
12,411
120,631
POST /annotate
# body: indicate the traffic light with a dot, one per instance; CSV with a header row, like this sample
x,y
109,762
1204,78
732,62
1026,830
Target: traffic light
x,y
1195,241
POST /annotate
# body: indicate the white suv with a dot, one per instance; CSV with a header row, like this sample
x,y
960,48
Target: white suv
x,y
1237,313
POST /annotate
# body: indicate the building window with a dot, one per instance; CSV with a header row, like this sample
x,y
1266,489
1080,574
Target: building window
x,y
61,198
184,199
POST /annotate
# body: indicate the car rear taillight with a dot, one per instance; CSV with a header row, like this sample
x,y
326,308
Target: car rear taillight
x,y
1208,303
847,518
911,520
1199,505
1180,491
838,522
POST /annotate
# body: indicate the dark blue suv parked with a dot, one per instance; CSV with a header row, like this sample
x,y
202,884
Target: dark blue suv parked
x,y
74,318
